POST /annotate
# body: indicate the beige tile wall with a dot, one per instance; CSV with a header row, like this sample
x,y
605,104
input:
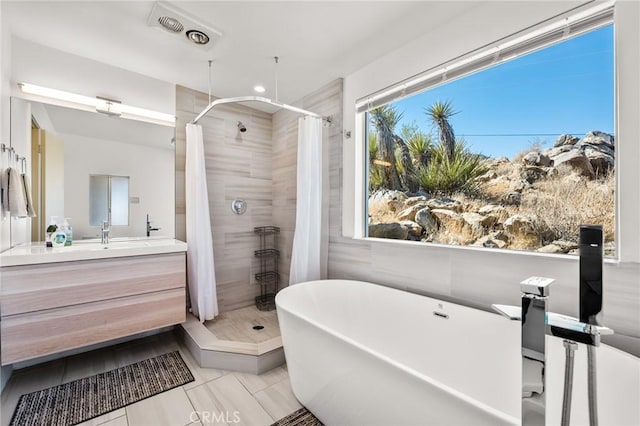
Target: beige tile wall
x,y
258,166
238,166
328,102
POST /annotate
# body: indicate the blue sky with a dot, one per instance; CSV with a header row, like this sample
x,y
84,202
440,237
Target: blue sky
x,y
565,88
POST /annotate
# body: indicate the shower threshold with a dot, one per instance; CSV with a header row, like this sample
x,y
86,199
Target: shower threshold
x,y
224,344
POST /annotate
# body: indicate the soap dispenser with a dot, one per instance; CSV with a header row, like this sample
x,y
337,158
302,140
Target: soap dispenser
x,y
66,228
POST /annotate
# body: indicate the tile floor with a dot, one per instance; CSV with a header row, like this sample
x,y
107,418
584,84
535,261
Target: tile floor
x,y
237,325
215,397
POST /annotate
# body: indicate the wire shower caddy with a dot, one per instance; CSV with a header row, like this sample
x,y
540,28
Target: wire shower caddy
x,y
268,277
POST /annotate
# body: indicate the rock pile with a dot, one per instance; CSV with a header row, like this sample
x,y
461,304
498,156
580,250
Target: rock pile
x,y
496,223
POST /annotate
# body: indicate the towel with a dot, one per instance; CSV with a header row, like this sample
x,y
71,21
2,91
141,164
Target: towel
x,y
14,197
27,196
4,189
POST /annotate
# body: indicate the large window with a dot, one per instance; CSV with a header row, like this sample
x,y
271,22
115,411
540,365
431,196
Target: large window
x,y
515,155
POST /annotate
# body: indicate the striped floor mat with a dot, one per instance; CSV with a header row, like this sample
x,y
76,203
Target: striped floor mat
x,y
74,402
302,417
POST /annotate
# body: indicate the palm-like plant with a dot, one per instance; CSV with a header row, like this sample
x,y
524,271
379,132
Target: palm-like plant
x,y
384,119
439,113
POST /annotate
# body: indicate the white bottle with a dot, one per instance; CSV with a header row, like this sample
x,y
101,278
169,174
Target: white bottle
x,y
66,228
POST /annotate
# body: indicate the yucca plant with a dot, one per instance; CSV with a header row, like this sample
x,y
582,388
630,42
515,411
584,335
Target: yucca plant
x,y
372,140
447,175
376,178
419,145
439,113
384,119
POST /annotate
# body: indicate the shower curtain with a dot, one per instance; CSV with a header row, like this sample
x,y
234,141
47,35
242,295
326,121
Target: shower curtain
x,y
200,267
306,255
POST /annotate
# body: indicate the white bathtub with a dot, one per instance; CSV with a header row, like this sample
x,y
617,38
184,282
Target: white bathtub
x,y
364,354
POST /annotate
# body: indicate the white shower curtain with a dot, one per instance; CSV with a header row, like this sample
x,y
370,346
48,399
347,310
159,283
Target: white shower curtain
x,y
200,267
306,255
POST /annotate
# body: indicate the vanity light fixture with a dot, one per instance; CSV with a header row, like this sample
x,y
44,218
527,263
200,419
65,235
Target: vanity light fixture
x,y
259,88
98,104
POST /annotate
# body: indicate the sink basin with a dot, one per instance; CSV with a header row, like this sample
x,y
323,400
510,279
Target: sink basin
x,y
34,253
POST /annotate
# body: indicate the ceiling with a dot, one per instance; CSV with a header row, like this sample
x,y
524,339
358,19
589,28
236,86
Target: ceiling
x,y
316,42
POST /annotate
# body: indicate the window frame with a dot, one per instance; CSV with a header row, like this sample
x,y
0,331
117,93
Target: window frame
x,y
534,38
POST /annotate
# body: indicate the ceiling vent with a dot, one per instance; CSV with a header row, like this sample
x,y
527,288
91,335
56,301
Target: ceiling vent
x,y
178,23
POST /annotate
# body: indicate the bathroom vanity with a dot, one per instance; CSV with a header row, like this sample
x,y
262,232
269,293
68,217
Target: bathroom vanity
x,y
56,299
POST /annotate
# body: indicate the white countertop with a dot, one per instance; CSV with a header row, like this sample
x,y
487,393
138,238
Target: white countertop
x,y
35,253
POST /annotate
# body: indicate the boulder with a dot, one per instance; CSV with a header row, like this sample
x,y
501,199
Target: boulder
x,y
392,200
493,240
409,213
415,230
426,220
522,232
477,223
535,158
445,203
533,173
498,162
498,213
565,140
452,222
601,162
550,248
558,246
518,185
392,230
476,219
554,152
597,138
511,198
414,200
576,160
490,175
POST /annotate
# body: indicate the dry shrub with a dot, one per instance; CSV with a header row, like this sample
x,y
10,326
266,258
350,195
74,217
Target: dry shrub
x,y
381,213
567,201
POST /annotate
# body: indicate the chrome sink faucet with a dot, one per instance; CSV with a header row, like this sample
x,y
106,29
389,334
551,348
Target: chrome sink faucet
x,y
536,324
104,233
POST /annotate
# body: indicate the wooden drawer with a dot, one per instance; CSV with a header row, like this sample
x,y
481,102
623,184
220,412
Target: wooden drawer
x,y
48,286
41,333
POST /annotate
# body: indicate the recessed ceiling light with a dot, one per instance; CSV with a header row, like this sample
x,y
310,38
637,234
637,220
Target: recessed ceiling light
x,y
171,24
198,37
259,89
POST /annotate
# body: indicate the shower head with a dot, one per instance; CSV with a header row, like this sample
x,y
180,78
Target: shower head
x,y
241,126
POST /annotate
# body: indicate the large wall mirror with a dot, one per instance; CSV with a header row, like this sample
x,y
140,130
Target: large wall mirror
x,y
90,168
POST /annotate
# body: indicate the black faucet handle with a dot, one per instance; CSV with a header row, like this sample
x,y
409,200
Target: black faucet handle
x,y
591,256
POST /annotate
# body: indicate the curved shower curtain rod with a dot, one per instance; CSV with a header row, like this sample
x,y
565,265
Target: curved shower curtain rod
x,y
258,99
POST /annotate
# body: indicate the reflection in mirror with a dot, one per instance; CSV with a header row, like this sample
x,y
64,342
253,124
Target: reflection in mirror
x,y
109,200
69,151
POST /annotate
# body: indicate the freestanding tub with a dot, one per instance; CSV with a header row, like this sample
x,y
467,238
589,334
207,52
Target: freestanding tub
x,y
363,354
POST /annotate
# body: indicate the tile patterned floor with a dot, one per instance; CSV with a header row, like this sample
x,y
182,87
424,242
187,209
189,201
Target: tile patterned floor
x,y
237,325
215,397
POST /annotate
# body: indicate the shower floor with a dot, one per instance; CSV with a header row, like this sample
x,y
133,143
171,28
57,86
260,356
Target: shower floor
x,y
238,325
230,342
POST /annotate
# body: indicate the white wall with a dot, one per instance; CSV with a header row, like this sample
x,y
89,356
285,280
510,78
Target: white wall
x,y
24,61
150,180
5,90
21,143
491,276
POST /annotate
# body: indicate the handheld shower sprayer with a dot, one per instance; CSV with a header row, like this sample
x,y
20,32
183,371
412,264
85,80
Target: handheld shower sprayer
x,y
241,126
